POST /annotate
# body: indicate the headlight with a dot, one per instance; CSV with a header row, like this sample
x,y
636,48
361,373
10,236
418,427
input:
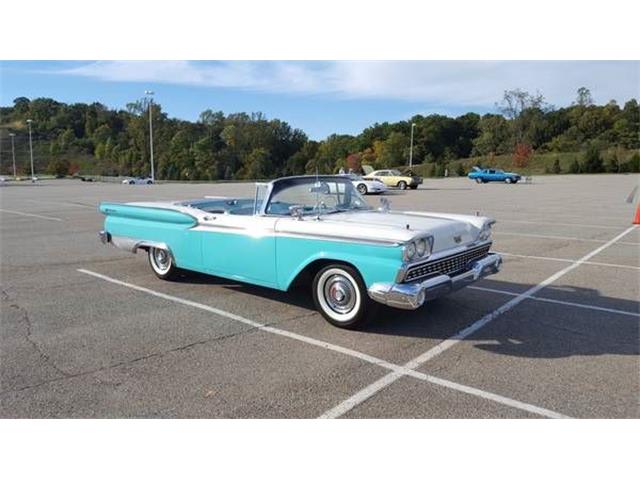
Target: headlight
x,y
417,249
409,251
421,247
485,233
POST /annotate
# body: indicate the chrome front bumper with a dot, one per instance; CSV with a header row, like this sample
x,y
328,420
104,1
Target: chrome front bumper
x,y
410,296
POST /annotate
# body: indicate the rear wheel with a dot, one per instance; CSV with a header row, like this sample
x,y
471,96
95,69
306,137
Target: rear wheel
x,y
131,182
362,188
508,180
162,263
402,185
340,295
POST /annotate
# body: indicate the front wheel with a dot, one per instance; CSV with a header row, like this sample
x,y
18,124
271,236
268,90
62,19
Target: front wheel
x,y
362,188
162,263
478,181
402,185
414,187
508,180
340,295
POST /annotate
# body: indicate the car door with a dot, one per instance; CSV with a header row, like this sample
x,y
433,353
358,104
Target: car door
x,y
384,176
241,247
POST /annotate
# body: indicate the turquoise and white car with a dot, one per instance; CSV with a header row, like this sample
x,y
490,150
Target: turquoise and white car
x,y
311,230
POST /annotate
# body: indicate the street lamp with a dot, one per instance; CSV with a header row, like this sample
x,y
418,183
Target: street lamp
x,y
33,176
13,153
149,94
411,147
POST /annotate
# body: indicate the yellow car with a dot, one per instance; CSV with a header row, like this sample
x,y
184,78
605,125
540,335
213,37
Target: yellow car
x,y
395,178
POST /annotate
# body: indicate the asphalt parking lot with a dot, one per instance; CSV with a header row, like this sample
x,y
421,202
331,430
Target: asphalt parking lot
x,y
89,331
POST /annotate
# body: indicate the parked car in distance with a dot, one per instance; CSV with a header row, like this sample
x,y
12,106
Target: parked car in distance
x,y
138,181
85,179
485,175
315,231
395,178
366,185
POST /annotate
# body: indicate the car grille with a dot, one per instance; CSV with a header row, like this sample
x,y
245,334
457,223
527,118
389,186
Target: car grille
x,y
450,265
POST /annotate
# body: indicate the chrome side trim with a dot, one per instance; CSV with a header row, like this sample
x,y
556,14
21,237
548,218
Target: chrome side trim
x,y
337,238
131,244
410,296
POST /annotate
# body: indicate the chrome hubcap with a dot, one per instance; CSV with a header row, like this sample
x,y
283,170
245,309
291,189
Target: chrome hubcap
x,y
339,294
161,259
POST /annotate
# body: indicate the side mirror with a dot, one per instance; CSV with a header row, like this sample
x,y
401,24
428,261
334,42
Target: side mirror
x,y
385,205
296,211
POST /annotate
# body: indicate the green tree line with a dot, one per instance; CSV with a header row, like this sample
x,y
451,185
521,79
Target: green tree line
x,y
94,139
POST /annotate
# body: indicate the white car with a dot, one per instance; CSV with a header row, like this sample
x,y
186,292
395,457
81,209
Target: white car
x,y
138,181
366,185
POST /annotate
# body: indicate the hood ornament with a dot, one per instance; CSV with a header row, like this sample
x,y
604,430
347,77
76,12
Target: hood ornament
x,y
385,205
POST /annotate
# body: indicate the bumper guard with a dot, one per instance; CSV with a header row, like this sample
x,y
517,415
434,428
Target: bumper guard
x,y
410,296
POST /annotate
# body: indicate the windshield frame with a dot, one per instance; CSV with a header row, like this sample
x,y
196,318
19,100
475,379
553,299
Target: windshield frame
x,y
281,184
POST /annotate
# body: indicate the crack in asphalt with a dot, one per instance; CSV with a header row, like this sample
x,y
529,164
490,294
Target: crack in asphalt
x,y
155,355
24,316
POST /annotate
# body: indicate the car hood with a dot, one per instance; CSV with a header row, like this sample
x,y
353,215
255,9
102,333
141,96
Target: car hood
x,y
389,227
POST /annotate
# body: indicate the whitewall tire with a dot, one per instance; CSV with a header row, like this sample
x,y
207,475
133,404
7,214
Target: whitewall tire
x,y
162,263
340,295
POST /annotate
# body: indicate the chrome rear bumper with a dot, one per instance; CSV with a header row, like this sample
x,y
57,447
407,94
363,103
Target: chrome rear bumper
x,y
410,296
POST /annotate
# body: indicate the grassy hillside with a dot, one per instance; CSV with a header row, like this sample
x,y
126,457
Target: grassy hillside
x,y
539,164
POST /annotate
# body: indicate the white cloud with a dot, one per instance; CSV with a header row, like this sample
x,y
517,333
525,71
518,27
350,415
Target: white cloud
x,y
447,83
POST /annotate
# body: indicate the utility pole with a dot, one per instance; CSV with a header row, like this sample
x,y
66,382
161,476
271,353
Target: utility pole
x,y
411,147
13,154
149,94
33,176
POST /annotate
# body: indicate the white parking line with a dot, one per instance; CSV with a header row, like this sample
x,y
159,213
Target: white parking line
x,y
66,204
559,237
396,370
559,302
24,214
586,225
568,260
368,392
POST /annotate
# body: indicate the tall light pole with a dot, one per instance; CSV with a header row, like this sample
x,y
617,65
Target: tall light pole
x,y
29,121
411,147
13,154
149,94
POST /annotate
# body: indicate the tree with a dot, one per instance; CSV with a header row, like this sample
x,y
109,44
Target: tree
x,y
592,162
521,155
574,167
556,166
460,170
58,167
524,110
584,97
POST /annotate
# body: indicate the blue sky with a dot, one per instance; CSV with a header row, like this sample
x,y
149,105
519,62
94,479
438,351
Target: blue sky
x,y
320,97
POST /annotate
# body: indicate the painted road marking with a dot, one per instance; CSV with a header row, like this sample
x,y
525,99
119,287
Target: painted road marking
x,y
559,302
396,370
586,225
559,237
568,260
24,214
367,392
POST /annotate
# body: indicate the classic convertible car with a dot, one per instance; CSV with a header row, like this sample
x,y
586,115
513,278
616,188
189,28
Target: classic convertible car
x,y
311,230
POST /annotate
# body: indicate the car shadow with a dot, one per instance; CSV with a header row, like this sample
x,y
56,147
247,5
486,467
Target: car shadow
x,y
542,330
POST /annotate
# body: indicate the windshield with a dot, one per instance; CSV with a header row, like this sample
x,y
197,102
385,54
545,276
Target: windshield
x,y
324,195
396,173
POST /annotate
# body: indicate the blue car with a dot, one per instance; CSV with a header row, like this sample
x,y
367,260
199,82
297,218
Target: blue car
x,y
493,175
316,231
